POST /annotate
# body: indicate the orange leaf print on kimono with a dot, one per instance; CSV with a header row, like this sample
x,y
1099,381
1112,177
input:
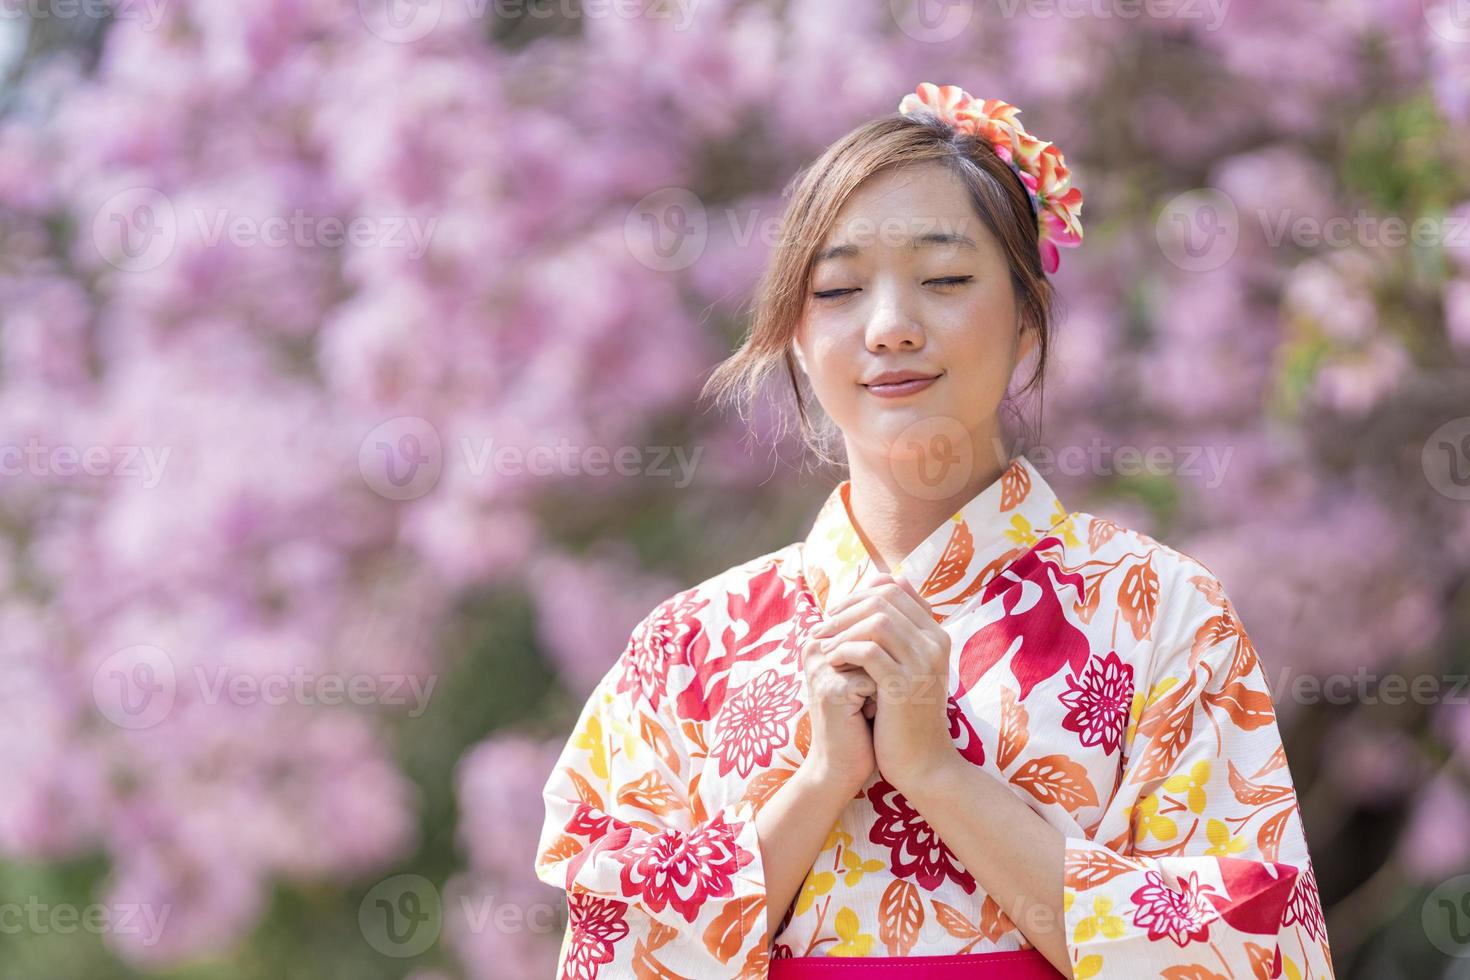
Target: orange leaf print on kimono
x,y
1101,676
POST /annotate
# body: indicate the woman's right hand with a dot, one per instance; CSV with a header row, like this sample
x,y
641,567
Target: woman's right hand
x,y
842,735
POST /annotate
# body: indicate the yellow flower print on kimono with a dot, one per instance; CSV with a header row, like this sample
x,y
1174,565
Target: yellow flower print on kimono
x,y
1102,676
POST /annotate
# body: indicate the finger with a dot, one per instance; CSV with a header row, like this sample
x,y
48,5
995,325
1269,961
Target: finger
x,y
898,593
856,689
850,688
901,594
869,578
867,655
808,653
906,598
873,604
899,637
814,659
921,637
861,684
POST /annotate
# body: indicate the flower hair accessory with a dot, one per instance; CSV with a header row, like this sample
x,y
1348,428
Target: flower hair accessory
x,y
1055,202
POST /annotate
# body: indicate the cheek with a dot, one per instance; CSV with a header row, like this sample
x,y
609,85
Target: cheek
x,y
979,359
834,353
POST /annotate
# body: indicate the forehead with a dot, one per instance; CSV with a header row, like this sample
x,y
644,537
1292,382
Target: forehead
x,y
925,204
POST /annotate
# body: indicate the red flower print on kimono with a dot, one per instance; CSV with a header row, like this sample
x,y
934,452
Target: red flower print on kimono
x,y
915,850
1185,851
808,616
682,871
625,825
596,924
755,723
1099,702
1034,626
671,634
1305,906
1180,914
964,735
769,602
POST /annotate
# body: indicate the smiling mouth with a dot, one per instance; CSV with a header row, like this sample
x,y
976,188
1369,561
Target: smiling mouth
x,y
897,389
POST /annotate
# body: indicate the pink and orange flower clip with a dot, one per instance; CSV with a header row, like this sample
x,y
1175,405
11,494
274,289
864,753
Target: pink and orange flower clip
x,y
1039,164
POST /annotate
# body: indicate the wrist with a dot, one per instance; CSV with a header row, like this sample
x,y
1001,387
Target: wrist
x,y
929,780
820,779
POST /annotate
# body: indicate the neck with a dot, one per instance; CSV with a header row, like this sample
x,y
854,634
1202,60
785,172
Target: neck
x,y
893,509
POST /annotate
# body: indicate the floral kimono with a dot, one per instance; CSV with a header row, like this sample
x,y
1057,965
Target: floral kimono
x,y
1104,677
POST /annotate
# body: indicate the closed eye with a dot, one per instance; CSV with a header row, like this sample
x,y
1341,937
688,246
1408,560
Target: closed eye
x,y
944,281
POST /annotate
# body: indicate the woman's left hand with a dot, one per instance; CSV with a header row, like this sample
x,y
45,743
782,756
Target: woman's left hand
x,y
886,628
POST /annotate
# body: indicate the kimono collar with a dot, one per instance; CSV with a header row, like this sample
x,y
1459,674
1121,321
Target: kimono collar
x,y
997,526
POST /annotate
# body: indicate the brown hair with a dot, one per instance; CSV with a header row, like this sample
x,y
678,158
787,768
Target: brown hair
x,y
817,193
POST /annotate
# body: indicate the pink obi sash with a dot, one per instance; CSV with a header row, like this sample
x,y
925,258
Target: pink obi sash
x,y
1025,964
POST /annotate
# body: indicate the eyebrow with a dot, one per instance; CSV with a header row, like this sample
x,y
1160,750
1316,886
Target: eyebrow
x,y
929,238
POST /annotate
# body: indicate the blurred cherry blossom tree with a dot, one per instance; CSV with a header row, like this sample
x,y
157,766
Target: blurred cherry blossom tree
x,y
320,322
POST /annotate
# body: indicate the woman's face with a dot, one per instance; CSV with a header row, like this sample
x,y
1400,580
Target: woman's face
x,y
910,279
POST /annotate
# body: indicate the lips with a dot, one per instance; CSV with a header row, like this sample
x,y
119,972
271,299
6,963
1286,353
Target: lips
x,y
893,384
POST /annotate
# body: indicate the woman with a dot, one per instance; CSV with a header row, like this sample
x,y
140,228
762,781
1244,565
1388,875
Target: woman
x,y
958,730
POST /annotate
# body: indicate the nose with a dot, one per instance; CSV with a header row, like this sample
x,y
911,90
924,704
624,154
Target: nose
x,y
890,325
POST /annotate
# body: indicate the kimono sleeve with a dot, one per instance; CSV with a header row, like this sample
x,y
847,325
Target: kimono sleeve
x,y
655,886
1198,866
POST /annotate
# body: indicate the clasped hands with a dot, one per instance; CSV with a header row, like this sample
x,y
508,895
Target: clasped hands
x,y
885,628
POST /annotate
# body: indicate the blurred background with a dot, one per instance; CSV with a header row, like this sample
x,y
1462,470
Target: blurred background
x,y
349,356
